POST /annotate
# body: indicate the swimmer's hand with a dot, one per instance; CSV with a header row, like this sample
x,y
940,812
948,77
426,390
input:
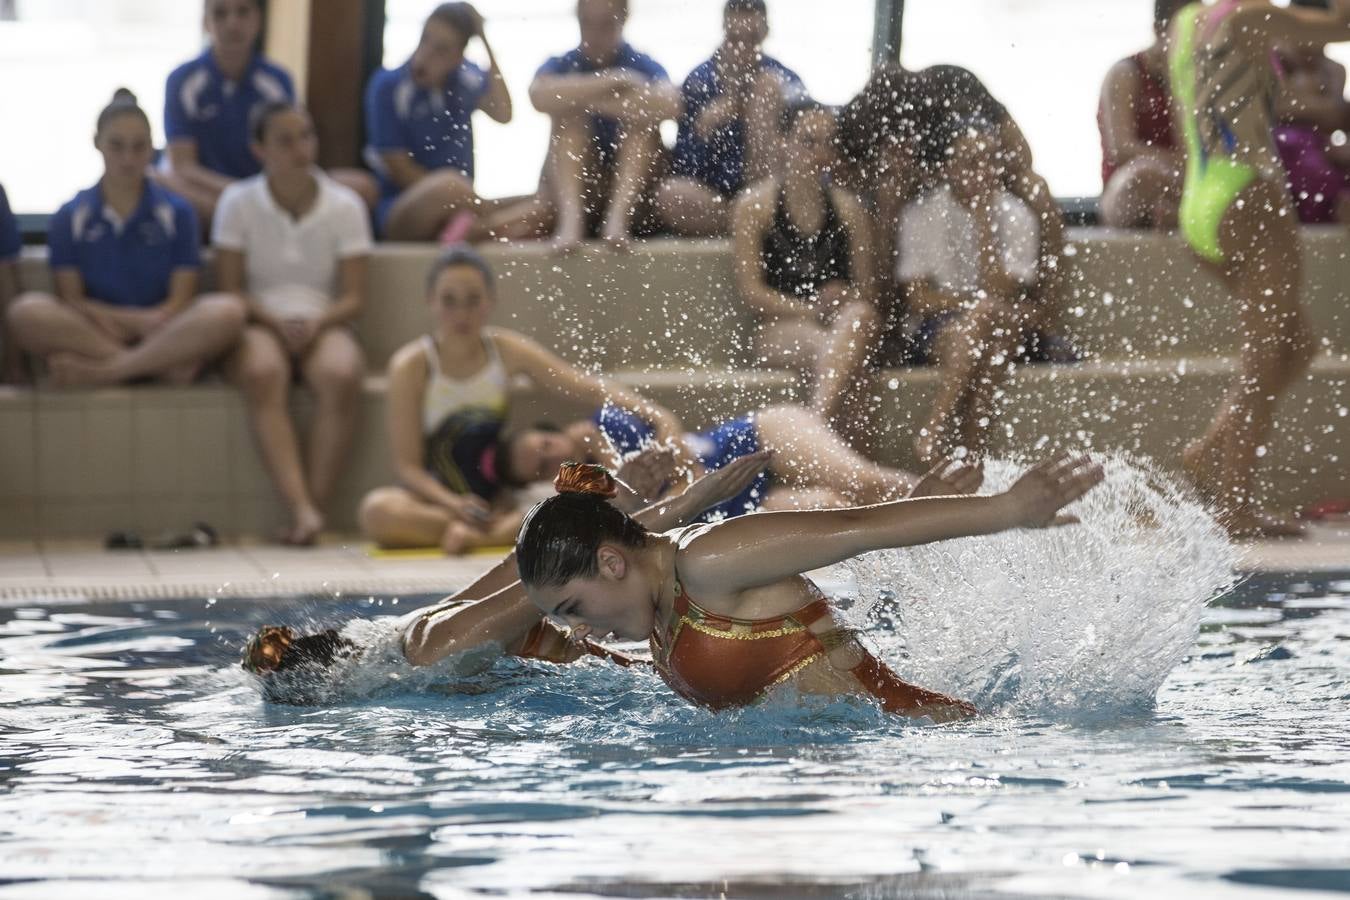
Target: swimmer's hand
x,y
948,478
1036,499
725,483
642,476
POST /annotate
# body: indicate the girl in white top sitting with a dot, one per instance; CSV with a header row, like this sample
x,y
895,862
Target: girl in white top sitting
x,y
294,244
448,396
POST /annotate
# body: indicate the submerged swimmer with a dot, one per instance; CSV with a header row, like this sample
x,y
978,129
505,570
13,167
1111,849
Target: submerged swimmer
x,y
726,608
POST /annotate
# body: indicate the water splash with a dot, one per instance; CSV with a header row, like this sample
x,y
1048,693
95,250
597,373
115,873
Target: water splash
x,y
1079,621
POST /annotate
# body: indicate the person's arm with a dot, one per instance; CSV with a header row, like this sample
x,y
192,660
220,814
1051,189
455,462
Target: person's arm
x,y
752,551
505,613
1267,24
352,292
752,216
496,101
183,162
403,419
1120,96
1313,98
230,278
861,256
561,95
561,379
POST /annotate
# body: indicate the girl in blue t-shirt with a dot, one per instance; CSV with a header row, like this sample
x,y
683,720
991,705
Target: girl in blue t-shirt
x,y
125,266
208,102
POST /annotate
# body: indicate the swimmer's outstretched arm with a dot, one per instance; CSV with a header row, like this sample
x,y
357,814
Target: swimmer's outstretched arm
x,y
753,551
504,614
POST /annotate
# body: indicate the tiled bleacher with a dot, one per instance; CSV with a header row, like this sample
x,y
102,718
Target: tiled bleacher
x,y
666,319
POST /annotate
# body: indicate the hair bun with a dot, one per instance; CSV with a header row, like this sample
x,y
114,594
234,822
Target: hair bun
x,y
122,95
585,478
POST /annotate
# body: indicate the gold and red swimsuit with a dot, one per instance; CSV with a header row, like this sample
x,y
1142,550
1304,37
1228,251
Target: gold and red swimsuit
x,y
721,662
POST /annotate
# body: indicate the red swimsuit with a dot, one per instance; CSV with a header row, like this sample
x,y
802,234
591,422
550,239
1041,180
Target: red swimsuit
x,y
720,662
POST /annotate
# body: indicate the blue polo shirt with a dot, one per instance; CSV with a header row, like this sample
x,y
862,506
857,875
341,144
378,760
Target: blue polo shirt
x,y
202,104
125,263
603,129
10,240
434,127
718,162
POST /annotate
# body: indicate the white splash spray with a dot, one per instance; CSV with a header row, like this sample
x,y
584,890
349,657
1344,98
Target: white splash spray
x,y
1079,620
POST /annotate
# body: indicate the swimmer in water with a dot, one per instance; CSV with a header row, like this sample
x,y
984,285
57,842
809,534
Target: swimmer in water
x,y
494,611
726,608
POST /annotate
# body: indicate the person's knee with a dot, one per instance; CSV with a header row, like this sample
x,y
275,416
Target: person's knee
x,y
225,313
378,509
263,378
339,377
29,312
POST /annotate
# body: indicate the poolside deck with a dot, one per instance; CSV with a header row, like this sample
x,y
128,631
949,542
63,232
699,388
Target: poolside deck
x,y
75,571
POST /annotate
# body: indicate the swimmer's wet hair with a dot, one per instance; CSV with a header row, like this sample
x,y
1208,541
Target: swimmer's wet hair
x,y
460,255
560,536
123,103
275,648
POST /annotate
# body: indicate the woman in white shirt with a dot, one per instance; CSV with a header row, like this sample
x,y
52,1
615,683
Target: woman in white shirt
x,y
294,244
969,262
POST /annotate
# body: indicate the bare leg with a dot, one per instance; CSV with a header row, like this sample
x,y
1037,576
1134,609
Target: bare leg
x,y
333,369
964,350
689,208
634,168
43,325
12,368
523,220
851,333
790,344
393,518
568,156
763,115
1264,272
421,211
176,351
261,369
808,454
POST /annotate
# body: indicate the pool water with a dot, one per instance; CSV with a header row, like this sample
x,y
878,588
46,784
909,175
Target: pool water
x,y
137,758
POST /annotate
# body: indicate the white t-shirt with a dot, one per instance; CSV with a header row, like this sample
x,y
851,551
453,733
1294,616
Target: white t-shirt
x,y
938,241
291,266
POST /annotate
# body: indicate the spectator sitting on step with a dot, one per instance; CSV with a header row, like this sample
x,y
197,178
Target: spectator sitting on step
x,y
294,244
729,132
606,101
125,264
449,394
208,102
1313,118
968,260
1141,151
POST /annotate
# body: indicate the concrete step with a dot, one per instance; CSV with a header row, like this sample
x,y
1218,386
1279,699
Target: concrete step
x,y
671,303
81,463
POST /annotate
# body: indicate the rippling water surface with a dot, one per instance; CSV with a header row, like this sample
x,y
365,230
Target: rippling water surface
x,y
1138,740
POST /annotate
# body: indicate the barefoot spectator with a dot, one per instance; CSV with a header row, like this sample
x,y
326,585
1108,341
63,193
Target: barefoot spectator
x,y
802,252
294,243
606,101
419,122
208,102
1141,153
729,133
969,252
125,263
12,370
